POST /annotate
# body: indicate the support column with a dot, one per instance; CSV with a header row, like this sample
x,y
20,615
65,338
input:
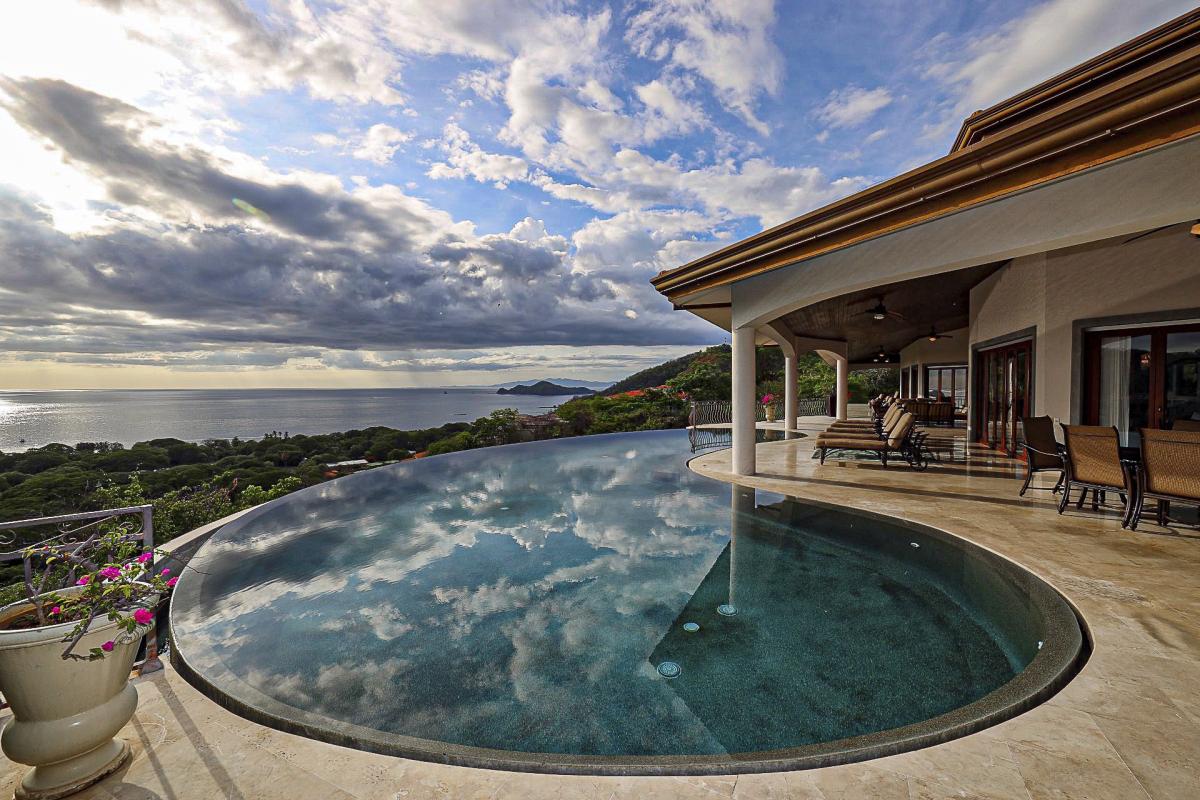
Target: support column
x,y
744,401
789,395
843,386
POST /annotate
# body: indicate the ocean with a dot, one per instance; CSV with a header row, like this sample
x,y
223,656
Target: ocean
x,y
34,419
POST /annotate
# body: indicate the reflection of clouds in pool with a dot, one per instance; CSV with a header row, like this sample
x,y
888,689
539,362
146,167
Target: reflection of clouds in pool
x,y
515,580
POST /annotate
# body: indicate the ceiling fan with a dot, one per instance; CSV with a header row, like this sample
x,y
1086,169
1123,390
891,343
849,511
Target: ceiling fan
x,y
881,357
934,335
880,312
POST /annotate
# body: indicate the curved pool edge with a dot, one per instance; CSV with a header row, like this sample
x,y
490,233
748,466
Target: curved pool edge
x,y
1054,666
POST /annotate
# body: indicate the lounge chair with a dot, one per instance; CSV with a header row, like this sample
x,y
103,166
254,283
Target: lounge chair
x,y
1170,471
1093,461
1043,453
1186,425
867,425
898,442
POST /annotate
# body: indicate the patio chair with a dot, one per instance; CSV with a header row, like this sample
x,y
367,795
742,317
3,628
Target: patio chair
x,y
898,442
1093,461
1170,471
866,425
1186,425
1043,453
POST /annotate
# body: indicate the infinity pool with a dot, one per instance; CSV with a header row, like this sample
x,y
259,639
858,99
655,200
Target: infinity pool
x,y
591,605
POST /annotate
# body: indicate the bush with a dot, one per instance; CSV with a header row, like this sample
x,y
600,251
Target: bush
x,y
452,444
255,495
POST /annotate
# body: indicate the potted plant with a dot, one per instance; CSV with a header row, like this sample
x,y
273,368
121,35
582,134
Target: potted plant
x,y
66,652
768,402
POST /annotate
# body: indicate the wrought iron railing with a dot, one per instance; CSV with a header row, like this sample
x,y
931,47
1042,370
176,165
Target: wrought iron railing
x,y
709,421
720,412
71,531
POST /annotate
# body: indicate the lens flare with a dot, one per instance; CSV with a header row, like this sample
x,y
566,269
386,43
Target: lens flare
x,y
251,209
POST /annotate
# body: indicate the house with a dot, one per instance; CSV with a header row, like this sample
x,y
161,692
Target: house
x,y
1048,265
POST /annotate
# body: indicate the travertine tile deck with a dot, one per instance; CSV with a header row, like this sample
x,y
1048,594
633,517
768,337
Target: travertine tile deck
x,y
1127,727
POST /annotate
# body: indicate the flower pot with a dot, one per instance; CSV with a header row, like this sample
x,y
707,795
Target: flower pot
x,y
65,712
769,409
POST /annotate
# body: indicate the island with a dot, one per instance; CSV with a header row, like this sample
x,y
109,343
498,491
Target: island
x,y
546,389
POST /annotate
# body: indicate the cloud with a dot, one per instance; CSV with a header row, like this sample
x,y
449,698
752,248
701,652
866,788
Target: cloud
x,y
226,46
667,113
179,267
727,44
876,135
465,159
852,106
1048,38
378,144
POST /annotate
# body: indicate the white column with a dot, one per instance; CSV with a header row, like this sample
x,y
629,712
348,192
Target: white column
x,y
743,401
843,386
789,395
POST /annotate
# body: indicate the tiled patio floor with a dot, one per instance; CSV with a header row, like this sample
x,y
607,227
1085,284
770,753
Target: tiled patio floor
x,y
1127,727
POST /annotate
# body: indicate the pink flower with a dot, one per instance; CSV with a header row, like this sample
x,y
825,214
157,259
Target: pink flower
x,y
165,572
107,647
767,398
110,572
143,617
171,583
83,581
56,611
144,557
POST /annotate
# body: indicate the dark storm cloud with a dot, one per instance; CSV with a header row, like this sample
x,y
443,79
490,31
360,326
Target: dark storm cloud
x,y
103,136
331,269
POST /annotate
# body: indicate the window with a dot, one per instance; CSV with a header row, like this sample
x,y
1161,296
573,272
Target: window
x,y
947,383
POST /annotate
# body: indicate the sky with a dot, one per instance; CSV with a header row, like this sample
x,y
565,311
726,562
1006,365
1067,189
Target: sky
x,y
279,193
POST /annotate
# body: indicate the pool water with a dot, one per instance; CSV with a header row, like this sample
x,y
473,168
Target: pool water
x,y
589,597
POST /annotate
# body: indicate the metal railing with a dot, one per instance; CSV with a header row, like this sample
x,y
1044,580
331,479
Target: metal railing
x,y
710,421
720,412
136,524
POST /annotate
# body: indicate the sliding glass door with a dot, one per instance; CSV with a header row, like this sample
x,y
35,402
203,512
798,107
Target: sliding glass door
x,y
1181,387
1142,378
1003,395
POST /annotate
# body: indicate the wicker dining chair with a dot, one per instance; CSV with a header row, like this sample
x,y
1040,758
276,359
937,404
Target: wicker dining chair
x,y
1170,471
1043,453
1093,461
1186,425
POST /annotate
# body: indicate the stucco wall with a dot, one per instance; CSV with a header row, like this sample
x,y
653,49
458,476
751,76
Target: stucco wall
x,y
1059,293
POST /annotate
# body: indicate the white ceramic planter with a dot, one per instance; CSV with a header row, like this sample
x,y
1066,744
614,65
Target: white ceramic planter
x,y
65,713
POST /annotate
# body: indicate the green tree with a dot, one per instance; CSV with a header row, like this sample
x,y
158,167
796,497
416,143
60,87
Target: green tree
x,y
703,380
459,441
502,426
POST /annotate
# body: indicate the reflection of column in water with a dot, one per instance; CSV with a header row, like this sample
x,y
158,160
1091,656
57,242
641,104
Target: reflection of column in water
x,y
741,516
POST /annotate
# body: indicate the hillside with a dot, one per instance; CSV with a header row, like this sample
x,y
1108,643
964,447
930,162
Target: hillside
x,y
659,374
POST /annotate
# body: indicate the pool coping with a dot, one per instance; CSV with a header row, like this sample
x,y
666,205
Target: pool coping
x,y
1068,645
